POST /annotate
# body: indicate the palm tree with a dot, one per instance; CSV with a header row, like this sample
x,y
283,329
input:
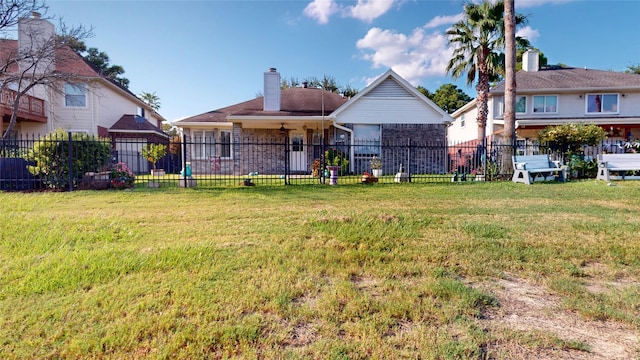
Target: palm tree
x,y
478,40
150,99
510,84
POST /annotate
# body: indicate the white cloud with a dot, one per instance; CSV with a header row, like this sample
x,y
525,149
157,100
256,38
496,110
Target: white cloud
x,y
528,33
321,10
443,20
413,56
368,10
363,10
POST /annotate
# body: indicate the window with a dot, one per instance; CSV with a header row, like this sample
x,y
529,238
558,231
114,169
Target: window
x,y
520,106
367,139
75,95
545,104
205,145
462,120
602,103
225,144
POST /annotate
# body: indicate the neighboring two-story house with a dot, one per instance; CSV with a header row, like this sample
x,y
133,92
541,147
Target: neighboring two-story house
x,y
85,101
389,111
558,95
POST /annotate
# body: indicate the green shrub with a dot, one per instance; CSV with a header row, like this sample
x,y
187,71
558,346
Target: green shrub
x,y
153,153
570,138
51,155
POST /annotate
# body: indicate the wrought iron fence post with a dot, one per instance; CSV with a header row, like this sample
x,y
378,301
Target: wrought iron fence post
x,y
322,161
70,159
484,158
286,160
184,159
409,159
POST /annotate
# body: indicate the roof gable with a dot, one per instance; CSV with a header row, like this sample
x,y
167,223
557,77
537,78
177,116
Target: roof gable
x,y
389,88
391,85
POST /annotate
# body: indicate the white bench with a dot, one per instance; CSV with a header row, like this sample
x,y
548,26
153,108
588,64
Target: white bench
x,y
619,163
530,168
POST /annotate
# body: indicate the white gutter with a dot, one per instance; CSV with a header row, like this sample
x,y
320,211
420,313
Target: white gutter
x,y
353,141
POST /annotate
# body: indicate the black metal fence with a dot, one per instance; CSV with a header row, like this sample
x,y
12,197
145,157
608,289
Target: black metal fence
x,y
78,161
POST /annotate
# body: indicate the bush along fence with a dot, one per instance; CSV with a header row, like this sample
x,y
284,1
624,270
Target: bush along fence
x,y
69,161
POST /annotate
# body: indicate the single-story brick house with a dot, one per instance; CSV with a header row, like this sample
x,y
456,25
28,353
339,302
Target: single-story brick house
x,y
388,111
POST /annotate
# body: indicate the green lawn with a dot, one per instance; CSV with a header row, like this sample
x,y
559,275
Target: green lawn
x,y
346,272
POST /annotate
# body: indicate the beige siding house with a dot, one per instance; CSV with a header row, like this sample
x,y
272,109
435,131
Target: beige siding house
x,y
89,102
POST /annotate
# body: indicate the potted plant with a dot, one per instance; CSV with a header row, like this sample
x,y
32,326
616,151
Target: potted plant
x,y
336,161
376,166
121,177
153,153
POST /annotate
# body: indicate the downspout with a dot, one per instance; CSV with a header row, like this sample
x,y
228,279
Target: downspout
x,y
351,148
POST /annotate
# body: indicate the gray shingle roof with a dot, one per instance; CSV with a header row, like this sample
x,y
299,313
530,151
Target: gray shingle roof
x,y
566,79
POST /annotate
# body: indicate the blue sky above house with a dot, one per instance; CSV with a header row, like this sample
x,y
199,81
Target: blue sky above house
x,y
202,55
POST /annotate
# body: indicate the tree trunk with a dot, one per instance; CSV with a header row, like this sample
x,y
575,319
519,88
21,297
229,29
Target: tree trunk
x,y
510,86
482,88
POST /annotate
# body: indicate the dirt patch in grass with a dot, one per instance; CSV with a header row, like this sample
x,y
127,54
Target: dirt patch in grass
x,y
526,307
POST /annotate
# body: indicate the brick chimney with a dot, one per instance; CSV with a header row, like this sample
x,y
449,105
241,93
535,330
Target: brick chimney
x,y
530,60
271,90
36,37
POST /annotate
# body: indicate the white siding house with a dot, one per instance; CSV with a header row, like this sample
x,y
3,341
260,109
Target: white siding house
x,y
558,95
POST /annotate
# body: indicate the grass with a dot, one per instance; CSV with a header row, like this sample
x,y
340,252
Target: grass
x,y
346,272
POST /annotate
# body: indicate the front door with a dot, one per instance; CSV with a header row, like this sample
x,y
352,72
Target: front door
x,y
298,158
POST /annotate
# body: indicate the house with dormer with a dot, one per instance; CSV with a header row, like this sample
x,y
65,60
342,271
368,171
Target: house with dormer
x,y
388,111
86,101
558,95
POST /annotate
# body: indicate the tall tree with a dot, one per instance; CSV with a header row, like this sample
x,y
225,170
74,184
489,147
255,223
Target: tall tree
x,y
510,83
478,40
150,99
424,91
33,65
633,69
450,98
101,60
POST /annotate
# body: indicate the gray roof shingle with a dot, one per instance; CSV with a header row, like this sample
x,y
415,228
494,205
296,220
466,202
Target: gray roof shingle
x,y
566,79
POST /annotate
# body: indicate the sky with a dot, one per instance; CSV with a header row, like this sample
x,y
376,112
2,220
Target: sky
x,y
198,56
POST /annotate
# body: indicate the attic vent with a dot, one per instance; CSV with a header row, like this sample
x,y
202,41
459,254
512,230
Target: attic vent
x,y
389,88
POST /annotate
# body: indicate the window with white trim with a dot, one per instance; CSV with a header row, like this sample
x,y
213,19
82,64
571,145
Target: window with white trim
x,y
545,104
206,145
75,95
520,105
462,122
602,103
